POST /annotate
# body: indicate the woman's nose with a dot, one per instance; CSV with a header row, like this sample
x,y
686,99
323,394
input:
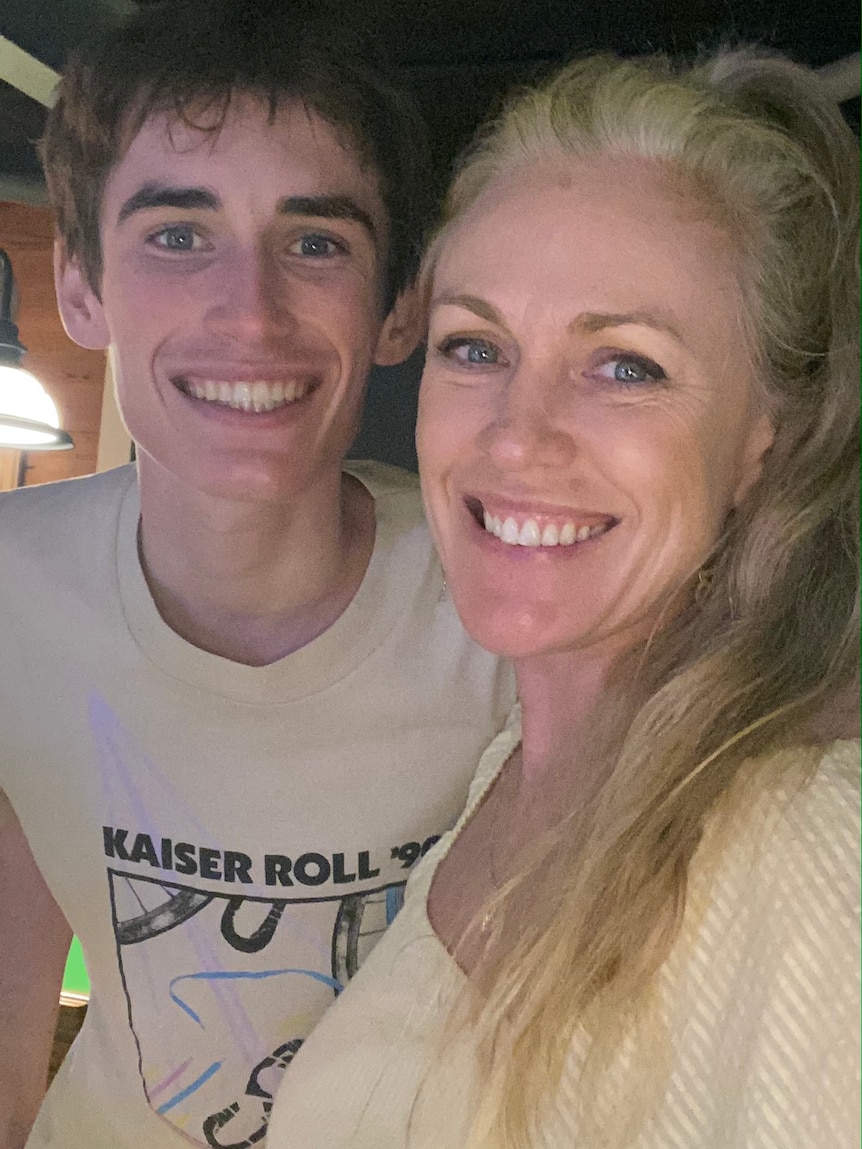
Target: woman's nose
x,y
529,430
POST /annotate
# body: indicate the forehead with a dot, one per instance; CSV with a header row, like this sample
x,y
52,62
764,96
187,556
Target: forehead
x,y
253,158
608,230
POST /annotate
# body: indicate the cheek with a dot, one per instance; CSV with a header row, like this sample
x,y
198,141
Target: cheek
x,y
450,420
430,423
440,451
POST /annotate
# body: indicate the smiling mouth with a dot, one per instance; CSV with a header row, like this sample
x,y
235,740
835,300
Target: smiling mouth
x,y
524,530
253,396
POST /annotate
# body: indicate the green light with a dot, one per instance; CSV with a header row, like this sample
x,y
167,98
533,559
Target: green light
x,y
76,983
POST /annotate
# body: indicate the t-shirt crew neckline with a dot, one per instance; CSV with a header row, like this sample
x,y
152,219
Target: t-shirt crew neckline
x,y
375,609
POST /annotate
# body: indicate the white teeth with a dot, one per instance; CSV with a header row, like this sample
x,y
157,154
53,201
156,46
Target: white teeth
x,y
509,531
254,395
530,535
260,396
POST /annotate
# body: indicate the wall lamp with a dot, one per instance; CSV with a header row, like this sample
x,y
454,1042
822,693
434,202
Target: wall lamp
x,y
28,417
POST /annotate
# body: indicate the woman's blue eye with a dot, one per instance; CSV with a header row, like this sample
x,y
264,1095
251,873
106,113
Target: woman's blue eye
x,y
472,352
632,370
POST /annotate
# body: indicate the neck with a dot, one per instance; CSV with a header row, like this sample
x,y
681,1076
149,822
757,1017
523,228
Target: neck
x,y
253,582
560,696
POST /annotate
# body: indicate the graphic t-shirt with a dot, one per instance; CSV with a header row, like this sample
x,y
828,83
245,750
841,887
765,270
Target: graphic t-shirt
x,y
228,842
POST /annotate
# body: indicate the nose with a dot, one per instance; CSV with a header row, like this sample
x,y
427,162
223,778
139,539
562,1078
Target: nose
x,y
528,430
249,304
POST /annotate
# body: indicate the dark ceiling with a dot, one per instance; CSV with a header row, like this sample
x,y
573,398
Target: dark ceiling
x,y
458,55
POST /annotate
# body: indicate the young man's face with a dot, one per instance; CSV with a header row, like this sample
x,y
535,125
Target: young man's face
x,y
241,298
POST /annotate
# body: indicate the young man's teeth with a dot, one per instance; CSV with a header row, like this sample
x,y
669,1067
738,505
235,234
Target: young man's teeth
x,y
254,396
530,534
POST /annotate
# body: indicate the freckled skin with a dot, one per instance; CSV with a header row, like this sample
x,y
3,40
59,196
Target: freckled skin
x,y
585,357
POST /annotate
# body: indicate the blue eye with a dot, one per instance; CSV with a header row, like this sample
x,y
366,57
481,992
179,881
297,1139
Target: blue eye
x,y
471,352
631,370
317,246
177,237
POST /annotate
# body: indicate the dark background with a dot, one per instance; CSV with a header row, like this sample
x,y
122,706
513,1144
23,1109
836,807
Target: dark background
x,y
459,57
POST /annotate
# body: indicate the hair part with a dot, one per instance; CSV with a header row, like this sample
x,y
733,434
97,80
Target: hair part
x,y
696,717
190,60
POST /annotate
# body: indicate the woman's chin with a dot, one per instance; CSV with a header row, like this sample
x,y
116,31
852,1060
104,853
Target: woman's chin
x,y
512,629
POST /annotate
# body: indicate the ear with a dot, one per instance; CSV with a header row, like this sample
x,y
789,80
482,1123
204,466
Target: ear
x,y
760,438
80,308
401,331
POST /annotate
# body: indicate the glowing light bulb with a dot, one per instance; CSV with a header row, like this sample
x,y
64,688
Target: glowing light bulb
x,y
23,398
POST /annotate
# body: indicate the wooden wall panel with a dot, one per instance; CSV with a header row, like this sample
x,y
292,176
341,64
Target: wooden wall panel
x,y
73,376
9,466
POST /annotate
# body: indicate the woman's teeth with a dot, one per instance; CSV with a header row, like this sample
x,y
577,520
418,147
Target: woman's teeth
x,y
255,396
530,534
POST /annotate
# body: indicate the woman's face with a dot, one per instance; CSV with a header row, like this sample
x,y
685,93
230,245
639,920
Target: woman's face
x,y
588,415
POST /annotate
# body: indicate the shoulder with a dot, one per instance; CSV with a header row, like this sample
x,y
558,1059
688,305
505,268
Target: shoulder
x,y
812,811
29,511
763,983
776,877
794,819
60,534
382,478
393,490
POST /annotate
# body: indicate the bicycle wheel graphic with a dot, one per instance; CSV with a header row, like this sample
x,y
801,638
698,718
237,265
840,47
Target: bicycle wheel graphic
x,y
144,908
359,924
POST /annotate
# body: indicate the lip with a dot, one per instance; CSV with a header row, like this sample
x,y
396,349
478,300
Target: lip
x,y
543,513
519,507
244,373
234,419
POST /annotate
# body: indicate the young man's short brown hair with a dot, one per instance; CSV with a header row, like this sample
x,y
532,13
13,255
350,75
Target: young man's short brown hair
x,y
189,58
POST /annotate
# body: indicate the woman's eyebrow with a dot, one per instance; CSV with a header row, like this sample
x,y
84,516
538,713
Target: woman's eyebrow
x,y
592,321
162,195
472,303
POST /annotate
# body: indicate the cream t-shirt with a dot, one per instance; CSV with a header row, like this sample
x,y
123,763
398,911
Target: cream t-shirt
x,y
228,842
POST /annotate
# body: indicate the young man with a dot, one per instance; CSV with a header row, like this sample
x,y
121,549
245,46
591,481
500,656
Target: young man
x,y
236,704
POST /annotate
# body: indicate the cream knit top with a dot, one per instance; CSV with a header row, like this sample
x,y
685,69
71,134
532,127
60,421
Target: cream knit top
x,y
760,999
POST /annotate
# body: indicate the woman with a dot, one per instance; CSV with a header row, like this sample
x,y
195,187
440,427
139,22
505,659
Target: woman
x,y
638,444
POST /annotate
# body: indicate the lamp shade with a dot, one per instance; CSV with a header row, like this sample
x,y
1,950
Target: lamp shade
x,y
28,417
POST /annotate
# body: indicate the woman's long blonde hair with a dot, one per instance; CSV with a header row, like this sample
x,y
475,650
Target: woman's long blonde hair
x,y
776,631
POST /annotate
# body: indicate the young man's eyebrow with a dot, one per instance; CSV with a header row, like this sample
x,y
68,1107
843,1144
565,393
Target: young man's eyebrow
x,y
159,195
328,207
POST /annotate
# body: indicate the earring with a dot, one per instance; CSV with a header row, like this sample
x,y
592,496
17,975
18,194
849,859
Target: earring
x,y
703,585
